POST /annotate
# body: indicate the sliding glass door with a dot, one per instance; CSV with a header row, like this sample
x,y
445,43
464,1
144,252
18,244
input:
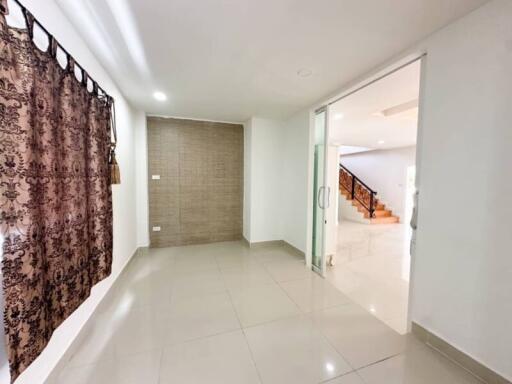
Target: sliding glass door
x,y
321,191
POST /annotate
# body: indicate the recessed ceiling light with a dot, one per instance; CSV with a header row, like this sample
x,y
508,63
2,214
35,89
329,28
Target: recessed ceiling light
x,y
381,142
304,72
339,116
160,96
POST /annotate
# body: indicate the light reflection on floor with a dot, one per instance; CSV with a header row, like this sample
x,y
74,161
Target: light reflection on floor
x,y
372,268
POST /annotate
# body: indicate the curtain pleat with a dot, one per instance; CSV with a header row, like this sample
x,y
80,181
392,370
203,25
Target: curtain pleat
x,y
55,201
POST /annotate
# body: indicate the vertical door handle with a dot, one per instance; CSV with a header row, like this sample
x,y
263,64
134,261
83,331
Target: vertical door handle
x,y
328,197
321,192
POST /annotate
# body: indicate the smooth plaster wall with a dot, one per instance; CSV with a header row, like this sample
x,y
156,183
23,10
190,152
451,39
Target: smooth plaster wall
x,y
246,221
297,165
461,275
263,146
462,288
141,171
124,195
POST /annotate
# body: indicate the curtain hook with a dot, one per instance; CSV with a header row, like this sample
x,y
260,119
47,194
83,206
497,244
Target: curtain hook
x,y
4,7
53,47
29,21
85,76
71,64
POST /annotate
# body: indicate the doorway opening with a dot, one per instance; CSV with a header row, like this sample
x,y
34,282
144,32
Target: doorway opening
x,y
367,202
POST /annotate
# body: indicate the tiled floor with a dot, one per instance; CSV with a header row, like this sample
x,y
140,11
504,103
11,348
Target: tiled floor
x,y
372,269
224,314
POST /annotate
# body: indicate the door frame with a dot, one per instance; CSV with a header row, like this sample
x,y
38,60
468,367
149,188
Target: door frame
x,y
360,83
326,191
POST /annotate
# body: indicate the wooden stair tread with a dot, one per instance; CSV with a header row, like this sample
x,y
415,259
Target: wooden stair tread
x,y
385,220
382,215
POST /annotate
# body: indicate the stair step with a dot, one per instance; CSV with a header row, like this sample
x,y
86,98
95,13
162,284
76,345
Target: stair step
x,y
382,213
385,220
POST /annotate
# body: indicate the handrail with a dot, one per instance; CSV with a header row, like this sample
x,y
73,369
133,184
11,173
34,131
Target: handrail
x,y
368,205
358,179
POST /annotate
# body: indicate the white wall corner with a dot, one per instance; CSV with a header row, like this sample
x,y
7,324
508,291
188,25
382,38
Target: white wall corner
x,y
141,179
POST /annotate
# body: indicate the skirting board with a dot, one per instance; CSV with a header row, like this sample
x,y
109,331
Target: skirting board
x,y
68,353
467,362
274,243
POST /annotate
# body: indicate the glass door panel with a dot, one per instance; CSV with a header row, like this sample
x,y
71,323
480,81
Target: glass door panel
x,y
319,187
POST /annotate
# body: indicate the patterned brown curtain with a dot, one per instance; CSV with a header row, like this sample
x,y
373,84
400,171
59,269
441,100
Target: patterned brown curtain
x,y
55,201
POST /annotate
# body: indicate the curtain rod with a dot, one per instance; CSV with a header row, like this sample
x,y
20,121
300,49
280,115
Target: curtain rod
x,y
50,37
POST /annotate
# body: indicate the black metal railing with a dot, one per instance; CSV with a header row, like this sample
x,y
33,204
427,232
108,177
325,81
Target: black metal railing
x,y
358,190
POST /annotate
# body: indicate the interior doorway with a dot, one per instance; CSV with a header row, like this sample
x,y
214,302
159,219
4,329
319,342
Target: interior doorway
x,y
373,133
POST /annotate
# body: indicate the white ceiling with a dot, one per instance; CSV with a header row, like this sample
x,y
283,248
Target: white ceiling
x,y
232,59
365,125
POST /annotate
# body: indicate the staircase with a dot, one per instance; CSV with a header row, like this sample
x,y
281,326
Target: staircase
x,y
364,199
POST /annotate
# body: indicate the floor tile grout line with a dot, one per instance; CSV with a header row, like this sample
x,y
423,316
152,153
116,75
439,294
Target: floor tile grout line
x,y
319,330
379,361
343,375
241,327
282,289
246,340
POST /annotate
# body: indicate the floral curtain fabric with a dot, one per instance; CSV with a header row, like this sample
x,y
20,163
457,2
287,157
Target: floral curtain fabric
x,y
55,200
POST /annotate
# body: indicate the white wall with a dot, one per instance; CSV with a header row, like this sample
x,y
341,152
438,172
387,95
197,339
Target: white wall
x,y
141,171
263,172
247,179
297,165
461,276
463,265
124,195
385,171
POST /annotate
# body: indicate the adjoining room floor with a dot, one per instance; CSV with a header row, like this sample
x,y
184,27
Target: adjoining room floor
x,y
225,314
372,269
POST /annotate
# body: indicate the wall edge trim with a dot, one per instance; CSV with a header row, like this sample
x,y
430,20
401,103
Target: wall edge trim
x,y
272,243
470,364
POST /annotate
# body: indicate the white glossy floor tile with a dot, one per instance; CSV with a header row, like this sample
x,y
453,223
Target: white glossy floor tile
x,y
201,282
247,276
372,269
232,260
192,262
262,303
169,322
351,378
359,337
293,351
417,366
288,270
194,317
95,344
274,253
152,288
133,369
314,293
221,359
140,330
